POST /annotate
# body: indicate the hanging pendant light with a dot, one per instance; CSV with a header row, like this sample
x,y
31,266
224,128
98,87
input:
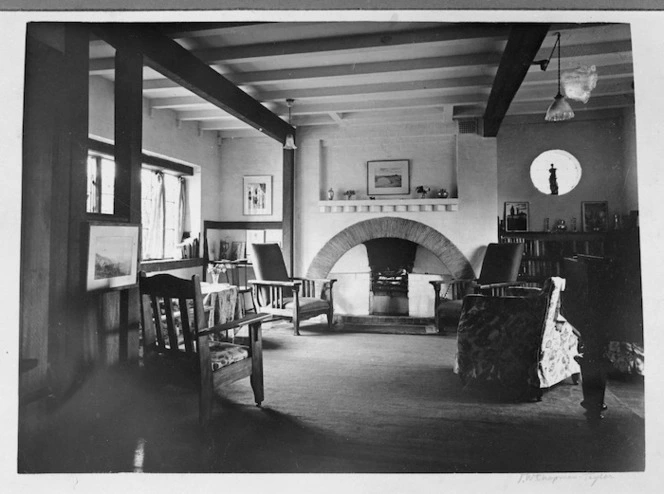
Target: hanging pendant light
x,y
290,139
560,109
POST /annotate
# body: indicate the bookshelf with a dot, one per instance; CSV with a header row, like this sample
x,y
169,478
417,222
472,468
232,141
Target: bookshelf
x,y
544,252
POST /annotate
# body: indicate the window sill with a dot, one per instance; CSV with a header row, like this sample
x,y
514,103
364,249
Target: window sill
x,y
168,264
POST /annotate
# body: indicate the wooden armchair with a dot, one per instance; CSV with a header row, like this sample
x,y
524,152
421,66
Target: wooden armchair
x,y
175,335
295,299
500,269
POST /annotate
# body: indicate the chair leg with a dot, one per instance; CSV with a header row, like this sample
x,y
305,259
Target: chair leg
x,y
296,324
330,319
256,377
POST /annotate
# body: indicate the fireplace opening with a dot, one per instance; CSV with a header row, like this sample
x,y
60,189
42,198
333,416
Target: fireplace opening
x,y
390,262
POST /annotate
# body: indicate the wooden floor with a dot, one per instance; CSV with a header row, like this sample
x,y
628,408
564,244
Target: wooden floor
x,y
337,402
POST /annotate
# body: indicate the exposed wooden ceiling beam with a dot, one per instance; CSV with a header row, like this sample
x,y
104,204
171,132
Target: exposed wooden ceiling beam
x,y
522,46
463,84
355,102
604,87
190,29
451,34
534,107
172,60
325,108
440,65
448,34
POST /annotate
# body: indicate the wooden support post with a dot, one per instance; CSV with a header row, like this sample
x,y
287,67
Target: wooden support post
x,y
128,152
288,207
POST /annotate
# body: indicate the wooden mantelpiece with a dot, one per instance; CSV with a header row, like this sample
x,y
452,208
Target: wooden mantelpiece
x,y
388,205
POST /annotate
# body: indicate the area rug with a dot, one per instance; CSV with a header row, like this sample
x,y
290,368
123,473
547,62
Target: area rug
x,y
335,402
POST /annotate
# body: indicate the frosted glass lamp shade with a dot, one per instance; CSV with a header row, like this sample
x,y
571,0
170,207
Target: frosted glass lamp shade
x,y
559,110
290,142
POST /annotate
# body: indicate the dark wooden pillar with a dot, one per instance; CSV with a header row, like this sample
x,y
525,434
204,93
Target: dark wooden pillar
x,y
128,150
54,170
289,207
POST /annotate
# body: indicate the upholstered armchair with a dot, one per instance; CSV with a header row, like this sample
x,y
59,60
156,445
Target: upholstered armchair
x,y
283,297
520,342
500,269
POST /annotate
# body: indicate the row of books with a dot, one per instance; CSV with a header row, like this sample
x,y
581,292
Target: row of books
x,y
557,248
540,268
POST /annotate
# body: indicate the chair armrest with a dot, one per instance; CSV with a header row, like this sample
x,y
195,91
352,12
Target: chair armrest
x,y
326,281
504,284
218,328
496,289
288,284
455,287
455,281
317,287
523,291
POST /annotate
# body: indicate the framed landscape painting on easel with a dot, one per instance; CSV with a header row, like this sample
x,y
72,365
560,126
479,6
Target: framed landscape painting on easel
x,y
112,256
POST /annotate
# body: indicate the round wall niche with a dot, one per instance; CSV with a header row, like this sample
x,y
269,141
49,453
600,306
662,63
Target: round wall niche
x,y
555,172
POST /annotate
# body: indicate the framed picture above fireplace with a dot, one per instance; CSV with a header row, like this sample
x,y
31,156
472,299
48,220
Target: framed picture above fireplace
x,y
388,177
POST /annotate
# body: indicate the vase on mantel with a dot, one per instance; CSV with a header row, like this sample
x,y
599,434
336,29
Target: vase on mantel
x,y
330,194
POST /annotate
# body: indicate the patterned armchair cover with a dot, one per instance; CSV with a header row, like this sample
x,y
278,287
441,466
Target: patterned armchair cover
x,y
522,342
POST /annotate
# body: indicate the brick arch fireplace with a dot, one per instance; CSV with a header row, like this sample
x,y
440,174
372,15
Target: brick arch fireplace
x,y
390,227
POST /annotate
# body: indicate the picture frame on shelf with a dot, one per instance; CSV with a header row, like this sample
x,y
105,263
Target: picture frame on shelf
x,y
257,195
388,177
517,216
594,216
112,255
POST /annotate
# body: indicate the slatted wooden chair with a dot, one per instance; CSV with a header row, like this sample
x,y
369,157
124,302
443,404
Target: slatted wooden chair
x,y
295,299
176,334
500,270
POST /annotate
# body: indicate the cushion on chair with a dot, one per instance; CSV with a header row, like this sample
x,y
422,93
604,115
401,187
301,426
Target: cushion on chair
x,y
307,304
223,354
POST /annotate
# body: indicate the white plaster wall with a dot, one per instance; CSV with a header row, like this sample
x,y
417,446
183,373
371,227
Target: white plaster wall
x,y
343,162
600,145
162,136
249,156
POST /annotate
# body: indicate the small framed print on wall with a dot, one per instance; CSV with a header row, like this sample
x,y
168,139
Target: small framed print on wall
x,y
388,177
112,256
595,216
257,195
517,216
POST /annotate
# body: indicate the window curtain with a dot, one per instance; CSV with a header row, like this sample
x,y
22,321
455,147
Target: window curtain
x,y
155,240
182,209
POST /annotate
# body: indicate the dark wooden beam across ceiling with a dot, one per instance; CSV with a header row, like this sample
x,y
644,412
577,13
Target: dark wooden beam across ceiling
x,y
175,62
522,46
